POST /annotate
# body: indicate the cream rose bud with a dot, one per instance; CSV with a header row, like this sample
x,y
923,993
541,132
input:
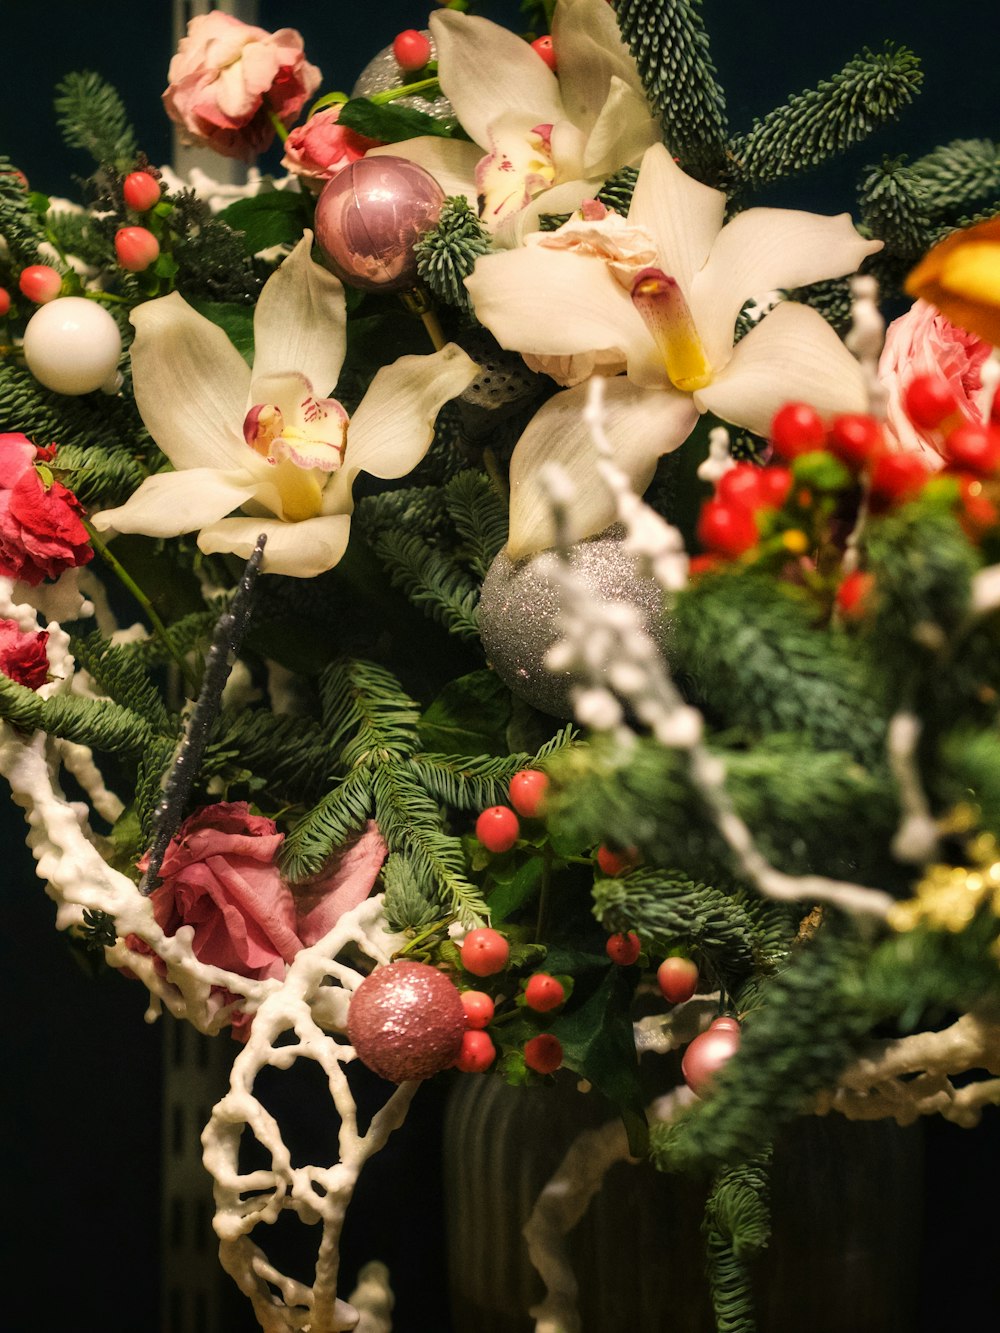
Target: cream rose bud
x,y
320,148
228,76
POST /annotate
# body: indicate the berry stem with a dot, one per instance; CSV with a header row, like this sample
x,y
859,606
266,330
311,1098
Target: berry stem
x,y
421,936
275,119
406,90
543,892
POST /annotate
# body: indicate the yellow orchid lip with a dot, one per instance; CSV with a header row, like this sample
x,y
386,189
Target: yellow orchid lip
x,y
961,276
659,300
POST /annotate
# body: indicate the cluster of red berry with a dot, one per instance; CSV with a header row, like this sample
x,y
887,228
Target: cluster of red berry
x,y
763,510
498,827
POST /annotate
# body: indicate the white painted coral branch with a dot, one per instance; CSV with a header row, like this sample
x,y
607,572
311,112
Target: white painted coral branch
x,y
912,1076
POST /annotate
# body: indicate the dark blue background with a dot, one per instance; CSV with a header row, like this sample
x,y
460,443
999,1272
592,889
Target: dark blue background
x,y
81,1068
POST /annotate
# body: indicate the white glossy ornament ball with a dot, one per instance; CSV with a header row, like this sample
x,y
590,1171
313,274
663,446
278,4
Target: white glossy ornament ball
x,y
72,346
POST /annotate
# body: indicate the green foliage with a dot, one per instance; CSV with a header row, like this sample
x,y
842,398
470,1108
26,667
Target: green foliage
x,y
212,259
958,175
737,1227
99,478
670,45
273,217
406,908
447,253
124,678
871,90
83,423
91,116
831,298
479,516
99,723
20,224
894,209
432,581
391,122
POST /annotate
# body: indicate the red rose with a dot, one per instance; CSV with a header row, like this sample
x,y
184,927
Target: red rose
x,y
41,532
22,654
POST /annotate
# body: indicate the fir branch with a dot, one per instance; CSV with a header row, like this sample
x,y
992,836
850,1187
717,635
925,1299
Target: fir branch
x,y
99,723
411,508
290,753
406,907
467,783
121,676
615,194
737,1227
91,116
366,699
212,261
957,175
431,581
154,765
479,516
447,254
83,422
340,812
76,234
668,40
893,201
822,122
20,226
99,478
832,298
187,633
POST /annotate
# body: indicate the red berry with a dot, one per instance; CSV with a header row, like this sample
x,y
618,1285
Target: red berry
x,y
616,862
775,485
39,283
497,828
527,792
853,594
543,1053
479,1008
797,429
484,952
623,949
544,47
141,191
543,993
703,564
728,529
928,400
740,486
4,301
677,979
896,478
477,1053
136,248
974,448
412,50
855,438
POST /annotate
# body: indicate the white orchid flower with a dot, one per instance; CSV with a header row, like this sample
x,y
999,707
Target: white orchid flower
x,y
543,141
658,297
266,443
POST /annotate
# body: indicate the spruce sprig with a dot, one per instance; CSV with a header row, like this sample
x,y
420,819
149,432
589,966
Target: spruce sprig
x,y
20,226
92,116
479,517
432,581
737,1227
822,122
447,254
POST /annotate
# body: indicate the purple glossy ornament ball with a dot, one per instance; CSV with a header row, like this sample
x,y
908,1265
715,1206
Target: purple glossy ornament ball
x,y
369,216
406,1020
706,1055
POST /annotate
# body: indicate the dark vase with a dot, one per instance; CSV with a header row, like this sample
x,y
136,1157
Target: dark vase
x,y
846,1213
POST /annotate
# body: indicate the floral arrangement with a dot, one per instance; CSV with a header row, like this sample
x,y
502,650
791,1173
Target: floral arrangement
x,y
494,602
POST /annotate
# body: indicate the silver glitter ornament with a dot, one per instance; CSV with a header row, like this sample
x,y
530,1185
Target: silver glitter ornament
x,y
520,605
382,72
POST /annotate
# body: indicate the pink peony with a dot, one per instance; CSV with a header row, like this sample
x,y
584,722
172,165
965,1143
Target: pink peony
x,y
22,654
320,148
220,876
923,342
228,75
41,532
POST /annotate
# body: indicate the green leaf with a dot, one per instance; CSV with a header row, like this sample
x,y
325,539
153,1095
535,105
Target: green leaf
x,y
275,218
391,123
468,717
513,887
821,471
236,321
165,267
598,1043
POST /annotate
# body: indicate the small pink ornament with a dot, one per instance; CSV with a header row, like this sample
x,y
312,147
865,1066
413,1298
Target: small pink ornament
x,y
369,217
709,1052
406,1020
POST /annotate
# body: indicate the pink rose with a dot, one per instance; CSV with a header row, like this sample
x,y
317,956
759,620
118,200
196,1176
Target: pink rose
x,y
228,75
41,532
220,876
320,148
923,342
22,654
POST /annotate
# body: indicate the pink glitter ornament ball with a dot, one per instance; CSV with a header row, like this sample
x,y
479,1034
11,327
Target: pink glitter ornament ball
x,y
706,1055
406,1020
369,216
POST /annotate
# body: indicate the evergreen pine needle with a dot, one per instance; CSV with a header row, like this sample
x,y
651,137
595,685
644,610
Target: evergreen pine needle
x,y
20,225
958,175
99,723
479,516
406,907
431,581
342,811
822,122
91,116
447,254
736,1227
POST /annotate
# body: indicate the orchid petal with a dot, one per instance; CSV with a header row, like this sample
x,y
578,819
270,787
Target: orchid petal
x,y
452,162
394,424
682,215
300,321
302,550
622,132
591,54
563,198
169,503
641,424
793,355
190,385
555,303
764,249
300,407
485,70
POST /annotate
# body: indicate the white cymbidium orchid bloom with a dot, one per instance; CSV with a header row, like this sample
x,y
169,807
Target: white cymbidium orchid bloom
x,y
265,442
550,139
658,298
